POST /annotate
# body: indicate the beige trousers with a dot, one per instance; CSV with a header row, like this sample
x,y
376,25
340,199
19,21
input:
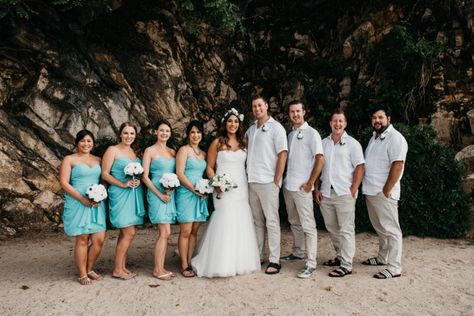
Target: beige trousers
x,y
383,214
299,206
264,202
339,215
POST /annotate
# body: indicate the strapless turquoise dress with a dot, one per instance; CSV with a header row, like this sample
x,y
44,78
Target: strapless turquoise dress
x,y
126,205
79,219
189,206
159,211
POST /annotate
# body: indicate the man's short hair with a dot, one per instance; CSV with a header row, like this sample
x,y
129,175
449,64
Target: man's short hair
x,y
293,102
378,107
259,96
338,111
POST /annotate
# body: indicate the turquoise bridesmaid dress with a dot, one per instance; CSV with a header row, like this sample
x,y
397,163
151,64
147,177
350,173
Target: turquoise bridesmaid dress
x,y
189,206
79,219
126,205
159,211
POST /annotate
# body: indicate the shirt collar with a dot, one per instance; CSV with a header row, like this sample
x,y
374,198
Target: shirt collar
x,y
270,120
344,135
384,133
304,126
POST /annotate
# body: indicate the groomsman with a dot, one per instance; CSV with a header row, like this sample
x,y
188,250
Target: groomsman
x,y
340,179
305,161
266,158
384,164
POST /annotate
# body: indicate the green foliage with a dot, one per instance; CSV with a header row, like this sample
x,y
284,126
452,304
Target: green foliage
x,y
222,13
432,202
405,62
14,11
413,50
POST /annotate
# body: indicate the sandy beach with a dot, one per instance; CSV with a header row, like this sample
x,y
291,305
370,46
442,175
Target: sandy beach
x,y
39,278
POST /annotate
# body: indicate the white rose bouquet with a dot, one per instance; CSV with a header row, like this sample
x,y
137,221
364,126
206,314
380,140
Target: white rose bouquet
x,y
96,193
169,181
134,170
224,182
203,187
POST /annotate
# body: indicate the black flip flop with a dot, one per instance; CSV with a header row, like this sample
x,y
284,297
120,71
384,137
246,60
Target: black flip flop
x,y
276,266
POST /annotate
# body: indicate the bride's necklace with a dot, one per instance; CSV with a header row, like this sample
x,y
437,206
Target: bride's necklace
x,y
198,152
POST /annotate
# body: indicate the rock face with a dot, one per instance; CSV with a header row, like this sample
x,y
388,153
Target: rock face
x,y
139,62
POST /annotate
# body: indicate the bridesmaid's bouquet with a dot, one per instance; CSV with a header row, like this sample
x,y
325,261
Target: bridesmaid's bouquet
x,y
169,181
96,193
224,182
134,170
204,187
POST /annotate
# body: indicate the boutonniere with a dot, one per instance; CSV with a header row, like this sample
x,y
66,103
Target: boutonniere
x,y
341,142
265,128
300,135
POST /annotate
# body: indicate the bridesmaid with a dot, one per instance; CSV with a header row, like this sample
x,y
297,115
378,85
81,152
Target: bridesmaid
x,y
157,160
126,206
83,218
191,206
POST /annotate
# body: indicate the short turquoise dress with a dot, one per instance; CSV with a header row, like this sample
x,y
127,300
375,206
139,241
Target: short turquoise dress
x,y
126,205
189,206
159,211
79,219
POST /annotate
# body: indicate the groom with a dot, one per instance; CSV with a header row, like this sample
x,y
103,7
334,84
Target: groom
x,y
266,158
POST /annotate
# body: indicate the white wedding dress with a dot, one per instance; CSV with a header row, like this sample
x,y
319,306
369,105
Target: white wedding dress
x,y
229,245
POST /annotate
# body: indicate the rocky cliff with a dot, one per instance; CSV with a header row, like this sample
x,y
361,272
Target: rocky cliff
x,y
139,61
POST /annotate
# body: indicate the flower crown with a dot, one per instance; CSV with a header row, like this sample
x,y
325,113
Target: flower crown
x,y
234,112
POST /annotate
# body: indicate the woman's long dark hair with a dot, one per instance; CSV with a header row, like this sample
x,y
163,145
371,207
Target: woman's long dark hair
x,y
198,125
223,137
83,133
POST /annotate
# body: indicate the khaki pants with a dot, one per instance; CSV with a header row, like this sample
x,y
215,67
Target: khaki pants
x,y
264,203
383,214
339,215
299,206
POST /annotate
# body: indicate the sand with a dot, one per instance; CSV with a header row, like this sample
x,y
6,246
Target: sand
x,y
38,277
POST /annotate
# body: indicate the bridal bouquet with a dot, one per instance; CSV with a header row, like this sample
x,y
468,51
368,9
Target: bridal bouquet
x,y
224,182
96,193
169,181
204,187
134,170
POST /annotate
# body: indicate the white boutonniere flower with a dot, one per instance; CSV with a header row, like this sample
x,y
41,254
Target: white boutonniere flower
x,y
300,135
341,143
265,128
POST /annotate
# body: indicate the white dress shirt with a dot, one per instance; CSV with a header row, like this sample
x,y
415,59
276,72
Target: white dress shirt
x,y
381,152
341,159
264,145
304,145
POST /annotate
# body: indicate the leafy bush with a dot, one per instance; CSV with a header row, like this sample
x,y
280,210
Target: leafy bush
x,y
13,11
222,13
432,202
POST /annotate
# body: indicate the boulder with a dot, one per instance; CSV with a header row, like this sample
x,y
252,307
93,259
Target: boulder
x,y
443,122
466,156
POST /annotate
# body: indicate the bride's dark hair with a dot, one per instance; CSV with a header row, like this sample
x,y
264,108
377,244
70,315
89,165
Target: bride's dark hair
x,y
224,139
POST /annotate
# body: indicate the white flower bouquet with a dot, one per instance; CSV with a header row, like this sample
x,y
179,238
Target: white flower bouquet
x,y
134,170
203,187
224,182
96,193
169,181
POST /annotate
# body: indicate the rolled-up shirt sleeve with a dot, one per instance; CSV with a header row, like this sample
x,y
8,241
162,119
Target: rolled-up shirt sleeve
x,y
280,139
397,151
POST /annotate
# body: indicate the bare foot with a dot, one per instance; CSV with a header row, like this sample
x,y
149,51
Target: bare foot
x,y
95,276
84,280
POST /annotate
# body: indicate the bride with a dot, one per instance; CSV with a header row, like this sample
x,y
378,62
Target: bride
x,y
229,246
